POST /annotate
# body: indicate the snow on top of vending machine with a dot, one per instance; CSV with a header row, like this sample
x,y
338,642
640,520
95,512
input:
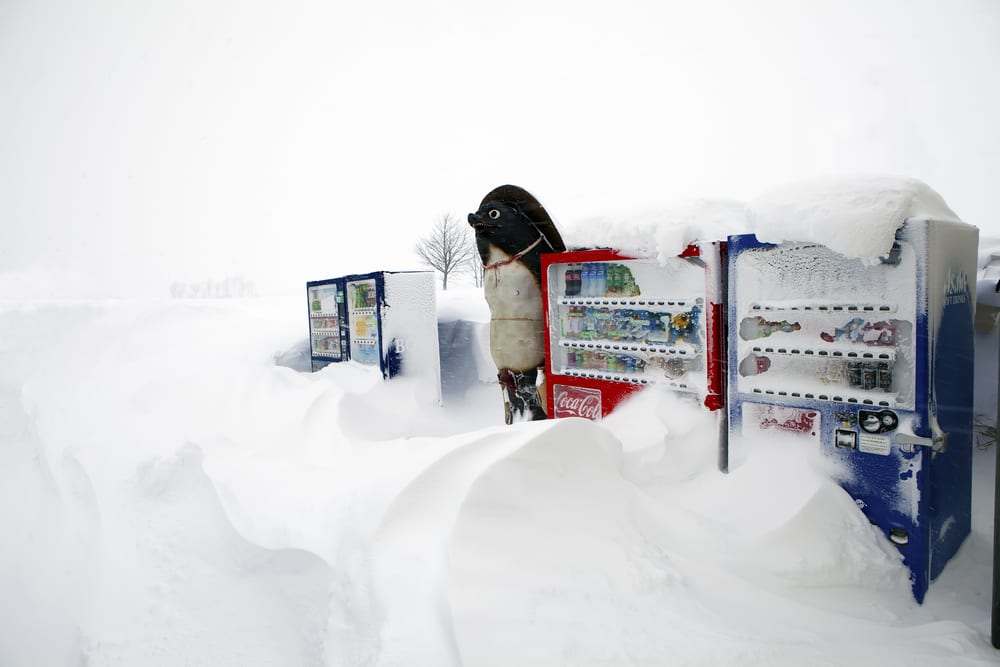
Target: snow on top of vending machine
x,y
856,216
659,233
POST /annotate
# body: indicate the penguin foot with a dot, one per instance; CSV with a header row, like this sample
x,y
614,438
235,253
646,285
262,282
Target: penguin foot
x,y
521,395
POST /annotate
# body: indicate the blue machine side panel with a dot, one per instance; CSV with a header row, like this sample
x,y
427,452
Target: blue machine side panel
x,y
952,469
953,272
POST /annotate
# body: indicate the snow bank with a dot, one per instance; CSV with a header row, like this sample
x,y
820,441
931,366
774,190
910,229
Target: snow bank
x,y
856,216
169,495
557,557
178,585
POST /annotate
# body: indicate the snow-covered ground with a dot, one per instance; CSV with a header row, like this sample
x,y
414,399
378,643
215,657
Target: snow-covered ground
x,y
177,489
170,495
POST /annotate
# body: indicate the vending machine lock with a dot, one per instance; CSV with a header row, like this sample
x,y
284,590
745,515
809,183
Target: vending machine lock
x,y
899,537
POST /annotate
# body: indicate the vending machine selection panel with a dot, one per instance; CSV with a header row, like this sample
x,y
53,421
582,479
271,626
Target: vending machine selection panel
x,y
871,361
616,324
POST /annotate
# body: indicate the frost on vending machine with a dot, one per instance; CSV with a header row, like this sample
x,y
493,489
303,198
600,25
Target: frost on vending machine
x,y
615,324
327,322
392,324
872,362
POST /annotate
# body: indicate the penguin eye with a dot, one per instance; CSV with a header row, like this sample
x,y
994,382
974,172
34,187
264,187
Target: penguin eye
x,y
494,213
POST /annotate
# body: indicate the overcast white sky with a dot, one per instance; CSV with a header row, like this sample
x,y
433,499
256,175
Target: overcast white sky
x,y
143,143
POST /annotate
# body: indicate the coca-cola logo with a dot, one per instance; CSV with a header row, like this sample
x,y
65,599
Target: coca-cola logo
x,y
577,402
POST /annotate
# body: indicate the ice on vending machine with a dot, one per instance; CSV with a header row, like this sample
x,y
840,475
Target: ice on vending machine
x,y
871,362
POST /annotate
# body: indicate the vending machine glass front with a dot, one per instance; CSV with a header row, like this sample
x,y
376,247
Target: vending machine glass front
x,y
362,314
326,324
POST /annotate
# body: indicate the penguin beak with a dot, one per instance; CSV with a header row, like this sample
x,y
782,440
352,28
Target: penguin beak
x,y
479,223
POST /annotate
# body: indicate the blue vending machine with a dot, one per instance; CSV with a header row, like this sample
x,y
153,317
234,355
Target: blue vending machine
x,y
327,322
872,362
392,323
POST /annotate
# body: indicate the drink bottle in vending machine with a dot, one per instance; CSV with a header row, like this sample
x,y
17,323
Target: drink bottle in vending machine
x,y
872,363
616,324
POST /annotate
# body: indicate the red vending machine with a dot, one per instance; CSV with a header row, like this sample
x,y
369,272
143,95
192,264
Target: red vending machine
x,y
616,324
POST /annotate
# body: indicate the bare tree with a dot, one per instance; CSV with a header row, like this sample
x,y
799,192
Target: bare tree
x,y
474,266
448,248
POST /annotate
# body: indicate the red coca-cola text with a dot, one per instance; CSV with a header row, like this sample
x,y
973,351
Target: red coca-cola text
x,y
577,402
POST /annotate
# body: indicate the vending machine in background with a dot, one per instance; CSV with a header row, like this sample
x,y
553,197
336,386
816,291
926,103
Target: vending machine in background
x,y
615,324
327,322
873,364
387,319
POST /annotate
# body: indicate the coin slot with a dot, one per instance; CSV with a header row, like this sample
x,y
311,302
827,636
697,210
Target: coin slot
x,y
846,439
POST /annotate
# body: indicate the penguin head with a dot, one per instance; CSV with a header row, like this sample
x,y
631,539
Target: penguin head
x,y
511,219
499,219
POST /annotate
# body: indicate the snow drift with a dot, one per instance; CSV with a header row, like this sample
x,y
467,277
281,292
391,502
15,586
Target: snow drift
x,y
171,495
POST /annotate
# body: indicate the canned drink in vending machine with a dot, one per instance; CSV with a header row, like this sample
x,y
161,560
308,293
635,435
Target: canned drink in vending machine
x,y
854,374
869,377
572,278
884,376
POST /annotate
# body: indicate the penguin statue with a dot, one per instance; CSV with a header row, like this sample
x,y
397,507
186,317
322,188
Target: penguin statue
x,y
512,231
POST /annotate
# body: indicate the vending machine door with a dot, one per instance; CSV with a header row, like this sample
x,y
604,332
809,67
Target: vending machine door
x,y
616,324
363,295
327,323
